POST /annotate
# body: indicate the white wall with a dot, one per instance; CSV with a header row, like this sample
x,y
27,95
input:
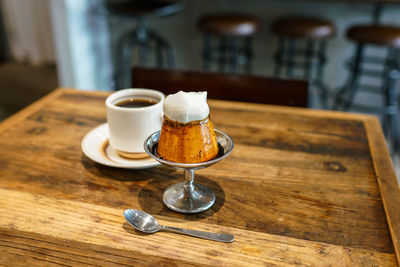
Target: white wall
x,y
82,44
28,29
72,33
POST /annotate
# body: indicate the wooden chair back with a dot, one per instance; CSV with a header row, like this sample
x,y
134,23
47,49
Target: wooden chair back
x,y
245,88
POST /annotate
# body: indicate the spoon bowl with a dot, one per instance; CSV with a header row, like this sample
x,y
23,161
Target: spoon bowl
x,y
142,221
146,223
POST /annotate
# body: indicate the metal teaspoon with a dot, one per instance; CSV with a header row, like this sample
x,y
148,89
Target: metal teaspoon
x,y
148,224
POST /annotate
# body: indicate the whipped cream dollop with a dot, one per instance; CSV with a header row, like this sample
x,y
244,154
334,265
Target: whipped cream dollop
x,y
185,107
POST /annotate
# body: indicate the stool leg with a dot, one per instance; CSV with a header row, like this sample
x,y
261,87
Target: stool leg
x,y
391,115
142,38
307,68
233,54
159,53
164,51
248,44
396,96
291,53
385,87
345,96
222,54
157,44
170,57
123,55
279,57
323,93
308,56
207,52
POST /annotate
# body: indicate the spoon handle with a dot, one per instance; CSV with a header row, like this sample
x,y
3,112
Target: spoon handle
x,y
206,235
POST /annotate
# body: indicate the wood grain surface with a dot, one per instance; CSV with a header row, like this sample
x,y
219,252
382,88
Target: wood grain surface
x,y
302,187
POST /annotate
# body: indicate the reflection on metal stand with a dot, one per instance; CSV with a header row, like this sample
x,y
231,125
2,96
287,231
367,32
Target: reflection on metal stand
x,y
189,197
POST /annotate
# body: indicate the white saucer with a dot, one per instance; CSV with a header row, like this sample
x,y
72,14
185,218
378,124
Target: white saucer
x,y
95,146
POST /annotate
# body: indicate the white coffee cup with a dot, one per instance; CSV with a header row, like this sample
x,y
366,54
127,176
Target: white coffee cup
x,y
130,126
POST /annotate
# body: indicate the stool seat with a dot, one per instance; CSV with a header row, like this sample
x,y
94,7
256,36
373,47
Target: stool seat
x,y
375,34
306,28
139,8
229,24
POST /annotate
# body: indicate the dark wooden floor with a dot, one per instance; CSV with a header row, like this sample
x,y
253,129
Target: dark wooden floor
x,y
22,84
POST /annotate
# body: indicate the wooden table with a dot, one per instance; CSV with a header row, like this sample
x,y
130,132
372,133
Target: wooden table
x,y
302,187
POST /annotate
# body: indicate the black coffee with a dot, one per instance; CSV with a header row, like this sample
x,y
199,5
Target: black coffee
x,y
136,103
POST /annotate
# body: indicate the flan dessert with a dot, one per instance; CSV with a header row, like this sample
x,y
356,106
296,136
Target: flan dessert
x,y
187,133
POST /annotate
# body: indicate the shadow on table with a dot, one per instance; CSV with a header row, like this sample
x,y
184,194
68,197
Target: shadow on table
x,y
151,195
120,174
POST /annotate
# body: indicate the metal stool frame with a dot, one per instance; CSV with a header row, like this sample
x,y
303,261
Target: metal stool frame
x,y
389,76
147,42
228,54
287,60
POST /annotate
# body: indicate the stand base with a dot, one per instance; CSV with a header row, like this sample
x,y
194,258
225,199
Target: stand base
x,y
201,199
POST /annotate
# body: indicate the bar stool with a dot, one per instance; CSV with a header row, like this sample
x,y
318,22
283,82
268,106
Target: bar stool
x,y
149,44
308,62
385,70
228,41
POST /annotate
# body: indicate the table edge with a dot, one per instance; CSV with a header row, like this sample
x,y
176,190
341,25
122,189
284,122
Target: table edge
x,y
386,179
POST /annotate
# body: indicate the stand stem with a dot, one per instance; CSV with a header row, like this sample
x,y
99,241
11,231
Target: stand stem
x,y
188,197
189,178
